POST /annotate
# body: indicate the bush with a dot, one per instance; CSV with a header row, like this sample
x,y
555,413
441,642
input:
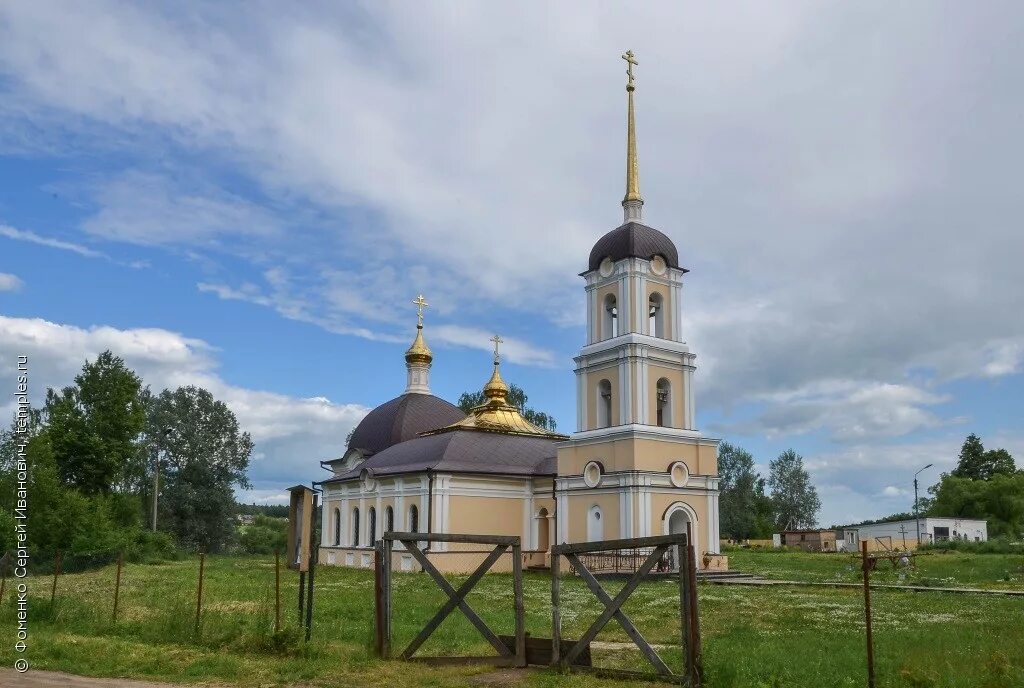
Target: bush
x,y
998,545
265,536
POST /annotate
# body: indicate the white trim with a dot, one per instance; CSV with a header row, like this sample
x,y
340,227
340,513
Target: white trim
x,y
562,506
634,338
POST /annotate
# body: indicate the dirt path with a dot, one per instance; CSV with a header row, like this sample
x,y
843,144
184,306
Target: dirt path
x,y
9,678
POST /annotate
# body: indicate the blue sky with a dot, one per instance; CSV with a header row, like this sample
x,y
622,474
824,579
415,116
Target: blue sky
x,y
249,200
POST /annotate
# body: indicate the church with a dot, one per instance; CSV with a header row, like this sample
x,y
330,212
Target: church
x,y
636,465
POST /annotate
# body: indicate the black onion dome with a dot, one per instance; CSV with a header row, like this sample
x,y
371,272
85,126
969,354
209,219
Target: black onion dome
x,y
634,240
402,419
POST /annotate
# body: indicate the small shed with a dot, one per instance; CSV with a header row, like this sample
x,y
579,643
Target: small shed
x,y
811,540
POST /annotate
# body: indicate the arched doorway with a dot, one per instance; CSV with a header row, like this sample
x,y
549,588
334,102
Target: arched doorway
x,y
680,518
543,538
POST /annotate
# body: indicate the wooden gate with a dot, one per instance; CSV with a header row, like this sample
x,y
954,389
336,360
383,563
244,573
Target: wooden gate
x,y
456,598
688,616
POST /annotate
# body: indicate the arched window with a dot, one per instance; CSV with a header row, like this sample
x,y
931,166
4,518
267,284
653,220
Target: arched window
x,y
371,534
611,317
664,393
337,527
414,519
595,524
656,315
355,527
604,404
543,539
389,519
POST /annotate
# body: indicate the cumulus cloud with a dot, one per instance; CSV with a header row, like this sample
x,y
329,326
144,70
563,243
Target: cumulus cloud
x,y
290,433
848,214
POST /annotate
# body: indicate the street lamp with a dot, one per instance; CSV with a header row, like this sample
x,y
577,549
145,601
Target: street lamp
x,y
161,436
917,515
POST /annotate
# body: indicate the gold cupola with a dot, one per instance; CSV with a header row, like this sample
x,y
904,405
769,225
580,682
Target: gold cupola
x,y
496,414
418,357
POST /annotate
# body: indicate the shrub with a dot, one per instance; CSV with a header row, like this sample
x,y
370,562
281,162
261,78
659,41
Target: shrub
x,y
265,536
998,545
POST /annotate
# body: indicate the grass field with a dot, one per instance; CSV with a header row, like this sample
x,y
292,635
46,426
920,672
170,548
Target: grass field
x,y
752,636
945,569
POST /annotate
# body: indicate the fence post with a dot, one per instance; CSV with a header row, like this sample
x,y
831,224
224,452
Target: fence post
x,y
698,660
56,573
302,594
685,629
385,651
556,609
867,612
199,591
517,593
314,553
117,584
378,597
277,591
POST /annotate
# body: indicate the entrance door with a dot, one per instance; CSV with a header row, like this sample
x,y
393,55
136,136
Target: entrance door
x,y
677,523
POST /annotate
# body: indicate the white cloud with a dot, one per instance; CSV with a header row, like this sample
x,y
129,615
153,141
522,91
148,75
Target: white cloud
x,y
893,491
290,433
829,237
32,237
9,282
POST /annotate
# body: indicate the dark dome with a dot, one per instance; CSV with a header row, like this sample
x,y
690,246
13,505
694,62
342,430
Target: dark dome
x,y
401,419
634,240
465,451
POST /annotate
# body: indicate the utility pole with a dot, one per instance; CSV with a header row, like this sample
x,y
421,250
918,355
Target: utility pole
x,y
161,436
917,514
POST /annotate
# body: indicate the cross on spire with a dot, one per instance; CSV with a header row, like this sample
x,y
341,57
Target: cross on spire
x,y
628,57
421,303
497,340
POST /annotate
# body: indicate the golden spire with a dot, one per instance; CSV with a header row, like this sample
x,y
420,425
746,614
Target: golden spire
x,y
496,387
632,202
419,352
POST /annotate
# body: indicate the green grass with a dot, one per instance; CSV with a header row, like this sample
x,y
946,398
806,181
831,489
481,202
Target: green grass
x,y
935,569
752,636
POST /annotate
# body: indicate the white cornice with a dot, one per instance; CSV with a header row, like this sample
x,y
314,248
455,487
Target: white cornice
x,y
638,432
635,338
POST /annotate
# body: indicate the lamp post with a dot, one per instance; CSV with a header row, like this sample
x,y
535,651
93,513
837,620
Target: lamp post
x,y
917,515
161,436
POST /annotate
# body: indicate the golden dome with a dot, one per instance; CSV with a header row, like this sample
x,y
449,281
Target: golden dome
x,y
496,414
419,352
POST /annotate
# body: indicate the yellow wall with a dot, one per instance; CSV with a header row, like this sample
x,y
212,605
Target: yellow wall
x,y
579,508
490,515
642,454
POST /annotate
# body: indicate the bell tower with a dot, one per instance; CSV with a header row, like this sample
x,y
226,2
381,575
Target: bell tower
x,y
636,458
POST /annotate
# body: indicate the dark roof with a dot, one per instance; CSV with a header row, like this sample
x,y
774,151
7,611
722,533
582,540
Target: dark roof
x,y
634,240
464,451
401,419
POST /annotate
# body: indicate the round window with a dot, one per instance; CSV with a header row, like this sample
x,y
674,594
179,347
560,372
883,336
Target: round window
x,y
592,474
678,474
658,265
606,267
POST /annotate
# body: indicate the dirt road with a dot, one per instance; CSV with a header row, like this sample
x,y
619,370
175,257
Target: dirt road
x,y
9,678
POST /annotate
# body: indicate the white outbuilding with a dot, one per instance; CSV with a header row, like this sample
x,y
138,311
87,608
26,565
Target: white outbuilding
x,y
904,534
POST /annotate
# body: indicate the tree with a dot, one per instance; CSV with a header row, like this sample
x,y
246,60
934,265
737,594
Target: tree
x,y
999,500
977,464
94,425
744,509
793,496
203,459
516,397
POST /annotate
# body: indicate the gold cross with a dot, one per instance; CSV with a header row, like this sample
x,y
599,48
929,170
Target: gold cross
x,y
497,340
421,303
628,57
